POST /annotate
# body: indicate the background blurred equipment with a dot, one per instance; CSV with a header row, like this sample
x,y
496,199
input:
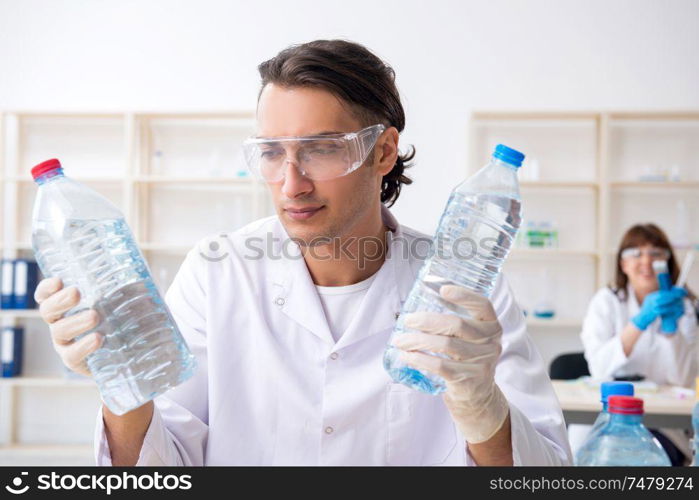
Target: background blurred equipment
x,y
11,350
19,279
569,366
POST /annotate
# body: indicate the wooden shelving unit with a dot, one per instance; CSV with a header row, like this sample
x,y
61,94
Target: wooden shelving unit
x,y
589,166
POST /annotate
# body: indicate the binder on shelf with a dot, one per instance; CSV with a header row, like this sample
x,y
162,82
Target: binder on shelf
x,y
26,279
7,284
11,340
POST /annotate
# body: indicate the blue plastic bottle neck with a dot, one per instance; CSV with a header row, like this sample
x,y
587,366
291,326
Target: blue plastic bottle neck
x,y
51,174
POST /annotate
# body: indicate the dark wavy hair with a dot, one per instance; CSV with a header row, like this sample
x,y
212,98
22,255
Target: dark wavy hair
x,y
353,74
639,235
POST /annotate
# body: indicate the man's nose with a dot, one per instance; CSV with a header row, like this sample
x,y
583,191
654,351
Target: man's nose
x,y
295,184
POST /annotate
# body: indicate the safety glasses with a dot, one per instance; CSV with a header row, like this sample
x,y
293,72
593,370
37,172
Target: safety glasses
x,y
654,253
320,157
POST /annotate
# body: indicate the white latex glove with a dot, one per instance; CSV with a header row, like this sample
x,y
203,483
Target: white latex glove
x,y
475,402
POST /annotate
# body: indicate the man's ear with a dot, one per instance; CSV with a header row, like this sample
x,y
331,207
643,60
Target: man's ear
x,y
386,151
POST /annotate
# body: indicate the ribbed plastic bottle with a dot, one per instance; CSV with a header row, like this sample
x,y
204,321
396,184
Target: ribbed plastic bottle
x,y
624,440
82,238
474,236
607,389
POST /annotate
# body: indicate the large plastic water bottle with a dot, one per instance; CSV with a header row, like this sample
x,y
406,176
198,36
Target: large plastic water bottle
x,y
695,424
82,238
475,233
624,440
607,389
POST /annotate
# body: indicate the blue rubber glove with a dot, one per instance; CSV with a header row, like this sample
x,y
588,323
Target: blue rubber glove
x,y
670,317
661,303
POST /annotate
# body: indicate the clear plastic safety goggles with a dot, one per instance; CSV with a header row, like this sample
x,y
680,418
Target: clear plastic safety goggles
x,y
654,253
319,157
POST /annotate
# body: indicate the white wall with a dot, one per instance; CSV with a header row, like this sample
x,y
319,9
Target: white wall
x,y
451,57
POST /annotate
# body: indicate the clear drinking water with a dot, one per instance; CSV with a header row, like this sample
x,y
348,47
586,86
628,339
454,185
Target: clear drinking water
x,y
475,234
624,441
80,237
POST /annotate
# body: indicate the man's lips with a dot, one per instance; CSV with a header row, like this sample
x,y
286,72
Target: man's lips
x,y
302,213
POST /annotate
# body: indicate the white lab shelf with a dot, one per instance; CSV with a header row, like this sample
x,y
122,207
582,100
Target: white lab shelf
x,y
660,185
50,455
548,253
46,381
559,323
560,184
19,313
79,178
243,181
165,248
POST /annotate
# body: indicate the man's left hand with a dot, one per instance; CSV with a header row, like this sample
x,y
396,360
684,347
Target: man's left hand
x,y
473,347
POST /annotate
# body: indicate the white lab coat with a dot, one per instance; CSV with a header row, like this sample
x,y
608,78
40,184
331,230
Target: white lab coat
x,y
272,387
661,358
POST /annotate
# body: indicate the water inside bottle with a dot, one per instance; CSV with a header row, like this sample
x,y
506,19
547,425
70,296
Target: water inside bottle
x,y
143,353
474,237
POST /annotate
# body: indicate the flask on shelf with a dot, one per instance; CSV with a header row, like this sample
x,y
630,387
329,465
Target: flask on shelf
x,y
545,307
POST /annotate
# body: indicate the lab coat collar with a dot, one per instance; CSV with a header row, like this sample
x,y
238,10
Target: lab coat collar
x,y
633,305
296,295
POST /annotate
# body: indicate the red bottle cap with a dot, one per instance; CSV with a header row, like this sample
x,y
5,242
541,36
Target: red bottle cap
x,y
45,166
625,405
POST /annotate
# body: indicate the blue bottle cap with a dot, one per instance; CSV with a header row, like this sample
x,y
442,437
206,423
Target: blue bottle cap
x,y
508,155
615,389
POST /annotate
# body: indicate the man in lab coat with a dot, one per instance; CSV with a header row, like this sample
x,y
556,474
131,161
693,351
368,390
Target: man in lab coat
x,y
289,317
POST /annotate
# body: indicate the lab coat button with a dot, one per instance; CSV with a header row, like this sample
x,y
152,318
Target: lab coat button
x,y
329,430
397,314
334,355
279,301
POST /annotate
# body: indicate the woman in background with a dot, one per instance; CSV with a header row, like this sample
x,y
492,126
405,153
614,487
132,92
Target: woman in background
x,y
622,333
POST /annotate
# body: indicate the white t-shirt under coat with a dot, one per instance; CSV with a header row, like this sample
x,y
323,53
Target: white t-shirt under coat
x,y
340,303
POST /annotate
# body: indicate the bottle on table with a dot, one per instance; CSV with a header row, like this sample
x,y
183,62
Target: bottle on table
x,y
624,440
607,389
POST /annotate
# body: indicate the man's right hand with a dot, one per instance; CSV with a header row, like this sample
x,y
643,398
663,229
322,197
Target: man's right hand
x,y
54,301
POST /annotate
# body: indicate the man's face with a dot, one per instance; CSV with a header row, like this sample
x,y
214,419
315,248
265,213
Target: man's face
x,y
308,209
